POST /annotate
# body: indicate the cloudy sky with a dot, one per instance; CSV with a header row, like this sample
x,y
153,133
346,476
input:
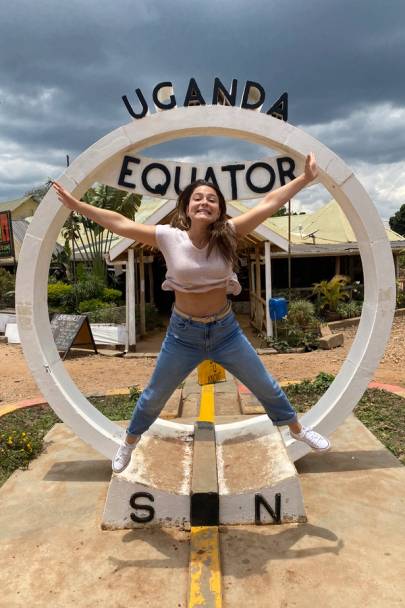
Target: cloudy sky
x,y
65,66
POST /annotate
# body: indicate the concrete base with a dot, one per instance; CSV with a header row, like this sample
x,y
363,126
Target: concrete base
x,y
350,553
252,467
155,488
250,471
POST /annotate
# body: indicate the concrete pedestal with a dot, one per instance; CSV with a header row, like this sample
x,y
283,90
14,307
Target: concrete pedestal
x,y
155,488
252,481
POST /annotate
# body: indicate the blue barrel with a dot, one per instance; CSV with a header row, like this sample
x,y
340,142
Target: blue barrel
x,y
278,308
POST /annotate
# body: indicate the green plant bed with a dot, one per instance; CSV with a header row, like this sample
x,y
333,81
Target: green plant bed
x,y
23,431
381,412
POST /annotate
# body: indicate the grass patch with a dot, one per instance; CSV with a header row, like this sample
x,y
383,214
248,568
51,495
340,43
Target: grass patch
x,y
381,412
22,432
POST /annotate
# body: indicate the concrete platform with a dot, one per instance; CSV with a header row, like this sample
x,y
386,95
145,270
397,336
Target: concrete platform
x,y
257,465
350,553
159,479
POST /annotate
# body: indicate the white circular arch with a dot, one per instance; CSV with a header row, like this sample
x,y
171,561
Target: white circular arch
x,y
31,289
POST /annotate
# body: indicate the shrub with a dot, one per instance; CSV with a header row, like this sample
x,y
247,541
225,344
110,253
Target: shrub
x,y
58,293
299,329
111,295
318,386
332,292
92,305
107,314
348,310
301,312
7,288
297,336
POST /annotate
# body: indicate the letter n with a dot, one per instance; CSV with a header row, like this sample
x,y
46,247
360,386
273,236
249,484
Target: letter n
x,y
275,515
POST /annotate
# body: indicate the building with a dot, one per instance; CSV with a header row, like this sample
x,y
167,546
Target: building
x,y
321,244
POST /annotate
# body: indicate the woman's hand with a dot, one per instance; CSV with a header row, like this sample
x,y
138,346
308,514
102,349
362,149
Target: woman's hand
x,y
311,169
65,197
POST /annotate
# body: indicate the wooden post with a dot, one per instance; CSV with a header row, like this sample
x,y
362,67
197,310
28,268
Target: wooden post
x,y
396,263
258,282
251,288
151,285
337,264
267,262
142,293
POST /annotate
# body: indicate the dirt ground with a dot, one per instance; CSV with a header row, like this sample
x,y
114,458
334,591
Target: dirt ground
x,y
94,374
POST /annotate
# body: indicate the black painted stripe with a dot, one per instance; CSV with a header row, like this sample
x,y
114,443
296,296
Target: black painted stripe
x,y
204,500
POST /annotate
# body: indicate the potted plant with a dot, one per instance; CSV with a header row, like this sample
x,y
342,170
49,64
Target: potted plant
x,y
331,293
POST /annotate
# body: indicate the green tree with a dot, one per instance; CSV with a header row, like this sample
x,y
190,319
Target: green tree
x,y
98,241
332,292
397,221
283,211
38,192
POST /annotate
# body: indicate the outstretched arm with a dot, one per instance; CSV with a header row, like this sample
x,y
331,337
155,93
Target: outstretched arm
x,y
111,220
249,220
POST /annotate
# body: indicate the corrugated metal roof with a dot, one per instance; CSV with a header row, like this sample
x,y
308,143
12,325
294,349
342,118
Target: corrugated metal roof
x,y
20,227
329,226
14,204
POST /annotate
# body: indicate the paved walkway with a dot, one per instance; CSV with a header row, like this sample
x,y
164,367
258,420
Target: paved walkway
x,y
54,553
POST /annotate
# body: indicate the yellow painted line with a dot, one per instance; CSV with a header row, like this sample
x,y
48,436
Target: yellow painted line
x,y
205,569
207,404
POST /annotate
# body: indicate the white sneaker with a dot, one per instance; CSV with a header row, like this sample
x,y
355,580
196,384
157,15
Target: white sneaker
x,y
315,440
123,456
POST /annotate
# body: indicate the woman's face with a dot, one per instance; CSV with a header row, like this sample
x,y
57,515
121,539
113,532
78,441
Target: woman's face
x,y
204,205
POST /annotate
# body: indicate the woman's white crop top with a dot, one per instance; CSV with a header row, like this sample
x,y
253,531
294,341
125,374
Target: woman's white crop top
x,y
188,268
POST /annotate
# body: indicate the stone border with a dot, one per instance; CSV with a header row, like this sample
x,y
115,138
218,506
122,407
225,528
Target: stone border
x,y
31,289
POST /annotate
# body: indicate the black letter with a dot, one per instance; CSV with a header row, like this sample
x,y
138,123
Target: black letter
x,y
210,176
143,102
125,171
177,171
144,519
283,173
232,170
221,96
193,95
260,189
279,109
157,102
255,104
259,500
159,189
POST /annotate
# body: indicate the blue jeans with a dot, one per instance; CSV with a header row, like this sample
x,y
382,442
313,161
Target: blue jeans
x,y
187,343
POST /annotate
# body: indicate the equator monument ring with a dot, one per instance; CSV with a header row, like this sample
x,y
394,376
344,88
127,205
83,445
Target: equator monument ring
x,y
99,160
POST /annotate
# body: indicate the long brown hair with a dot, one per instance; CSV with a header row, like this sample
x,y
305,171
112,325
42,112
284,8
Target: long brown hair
x,y
221,234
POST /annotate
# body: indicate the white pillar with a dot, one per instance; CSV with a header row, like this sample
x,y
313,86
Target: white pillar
x,y
142,293
267,268
130,301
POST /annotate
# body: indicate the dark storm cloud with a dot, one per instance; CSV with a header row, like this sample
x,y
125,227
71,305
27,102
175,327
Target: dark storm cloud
x,y
64,67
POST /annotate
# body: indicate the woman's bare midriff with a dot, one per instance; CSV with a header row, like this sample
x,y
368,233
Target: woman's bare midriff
x,y
201,304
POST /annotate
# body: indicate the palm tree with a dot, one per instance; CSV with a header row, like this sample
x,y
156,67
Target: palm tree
x,y
98,239
332,292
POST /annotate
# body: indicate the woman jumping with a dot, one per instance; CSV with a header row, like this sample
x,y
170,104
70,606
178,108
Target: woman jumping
x,y
199,248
